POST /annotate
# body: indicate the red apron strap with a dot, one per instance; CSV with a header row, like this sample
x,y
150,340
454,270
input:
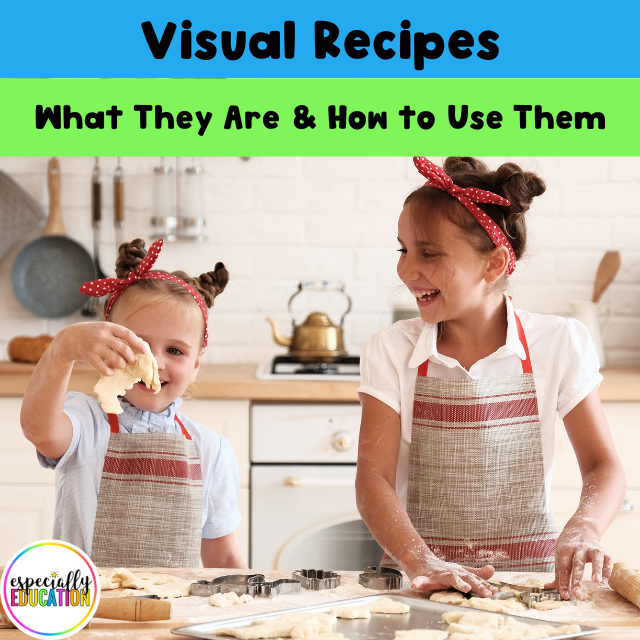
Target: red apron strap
x,y
526,364
185,433
115,425
113,422
423,368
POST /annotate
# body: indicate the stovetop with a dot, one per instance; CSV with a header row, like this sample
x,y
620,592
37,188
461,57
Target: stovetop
x,y
290,368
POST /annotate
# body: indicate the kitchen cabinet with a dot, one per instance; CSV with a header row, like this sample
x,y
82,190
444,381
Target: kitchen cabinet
x,y
27,491
621,539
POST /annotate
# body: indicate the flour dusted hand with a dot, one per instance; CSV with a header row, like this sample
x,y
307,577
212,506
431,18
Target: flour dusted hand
x,y
108,388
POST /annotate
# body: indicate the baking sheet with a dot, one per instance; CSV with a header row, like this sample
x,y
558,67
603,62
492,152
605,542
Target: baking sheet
x,y
424,614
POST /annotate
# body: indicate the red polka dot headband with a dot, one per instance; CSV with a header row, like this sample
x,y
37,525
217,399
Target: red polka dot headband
x,y
436,177
116,286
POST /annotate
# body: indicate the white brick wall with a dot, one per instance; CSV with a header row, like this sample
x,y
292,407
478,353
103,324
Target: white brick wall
x,y
273,221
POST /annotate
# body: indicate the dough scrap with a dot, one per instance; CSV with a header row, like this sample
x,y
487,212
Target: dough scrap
x,y
112,578
144,369
386,605
421,634
351,613
448,597
228,599
510,605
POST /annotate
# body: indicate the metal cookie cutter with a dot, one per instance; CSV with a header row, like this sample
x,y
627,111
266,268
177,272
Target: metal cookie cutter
x,y
317,579
254,585
381,578
530,595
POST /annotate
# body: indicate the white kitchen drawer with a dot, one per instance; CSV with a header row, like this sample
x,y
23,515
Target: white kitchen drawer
x,y
18,462
303,433
624,421
26,515
621,539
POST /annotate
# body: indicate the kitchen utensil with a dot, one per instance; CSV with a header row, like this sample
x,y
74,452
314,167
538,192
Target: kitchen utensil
x,y
92,306
625,580
607,270
254,585
424,614
530,595
49,271
19,213
118,204
134,608
596,318
317,338
317,579
381,578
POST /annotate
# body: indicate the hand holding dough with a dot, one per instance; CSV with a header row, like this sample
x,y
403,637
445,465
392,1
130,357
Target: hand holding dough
x,y
144,369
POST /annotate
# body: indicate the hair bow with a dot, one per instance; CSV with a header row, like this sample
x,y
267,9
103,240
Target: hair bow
x,y
436,177
116,286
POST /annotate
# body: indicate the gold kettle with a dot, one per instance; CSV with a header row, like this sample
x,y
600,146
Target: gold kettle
x,y
317,339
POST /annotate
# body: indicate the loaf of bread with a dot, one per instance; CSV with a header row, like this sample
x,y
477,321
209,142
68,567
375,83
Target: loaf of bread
x,y
27,349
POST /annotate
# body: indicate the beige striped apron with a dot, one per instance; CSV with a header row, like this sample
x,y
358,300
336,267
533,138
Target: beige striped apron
x,y
149,510
476,492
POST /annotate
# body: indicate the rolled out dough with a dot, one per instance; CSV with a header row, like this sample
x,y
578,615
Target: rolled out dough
x,y
386,605
144,369
421,634
351,613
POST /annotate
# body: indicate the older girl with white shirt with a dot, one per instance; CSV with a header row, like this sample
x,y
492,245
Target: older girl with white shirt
x,y
459,405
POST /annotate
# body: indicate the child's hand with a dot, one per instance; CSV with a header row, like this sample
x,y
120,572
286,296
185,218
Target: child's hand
x,y
576,546
436,574
104,345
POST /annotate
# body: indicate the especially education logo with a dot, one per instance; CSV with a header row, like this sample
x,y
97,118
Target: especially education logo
x,y
50,589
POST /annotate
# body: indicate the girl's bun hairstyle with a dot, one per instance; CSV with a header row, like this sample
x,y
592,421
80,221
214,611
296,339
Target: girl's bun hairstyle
x,y
208,285
509,181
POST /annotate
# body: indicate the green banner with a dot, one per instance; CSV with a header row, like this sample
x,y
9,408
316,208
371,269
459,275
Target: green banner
x,y
319,117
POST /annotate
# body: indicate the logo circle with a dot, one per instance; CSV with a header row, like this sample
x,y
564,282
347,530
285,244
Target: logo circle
x,y
50,589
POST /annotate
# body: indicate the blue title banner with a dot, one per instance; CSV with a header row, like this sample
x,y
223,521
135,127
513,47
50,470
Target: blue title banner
x,y
334,39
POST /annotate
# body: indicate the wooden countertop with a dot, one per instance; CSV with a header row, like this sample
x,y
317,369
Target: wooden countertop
x,y
615,616
238,382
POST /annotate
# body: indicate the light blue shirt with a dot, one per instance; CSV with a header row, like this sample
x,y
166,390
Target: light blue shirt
x,y
79,470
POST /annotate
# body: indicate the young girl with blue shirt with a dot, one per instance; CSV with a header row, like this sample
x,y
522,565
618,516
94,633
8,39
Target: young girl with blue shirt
x,y
147,487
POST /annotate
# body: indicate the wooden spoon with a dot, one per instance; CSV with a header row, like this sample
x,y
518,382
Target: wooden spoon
x,y
607,270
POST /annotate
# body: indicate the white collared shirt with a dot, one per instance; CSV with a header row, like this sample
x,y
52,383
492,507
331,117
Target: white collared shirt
x,y
563,358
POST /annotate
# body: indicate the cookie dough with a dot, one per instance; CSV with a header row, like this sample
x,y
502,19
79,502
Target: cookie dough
x,y
351,613
303,625
510,605
448,597
421,634
386,605
480,626
144,369
550,605
229,599
159,584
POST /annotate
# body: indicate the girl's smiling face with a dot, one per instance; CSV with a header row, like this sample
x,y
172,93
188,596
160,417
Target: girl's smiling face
x,y
445,272
175,338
